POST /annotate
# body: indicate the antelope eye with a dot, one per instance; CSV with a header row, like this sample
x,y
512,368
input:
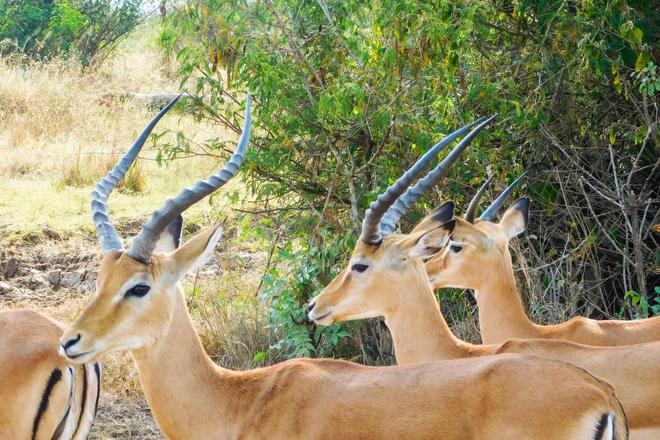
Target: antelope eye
x,y
359,267
139,291
455,248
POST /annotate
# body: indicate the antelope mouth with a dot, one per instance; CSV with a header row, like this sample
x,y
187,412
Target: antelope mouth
x,y
78,358
318,319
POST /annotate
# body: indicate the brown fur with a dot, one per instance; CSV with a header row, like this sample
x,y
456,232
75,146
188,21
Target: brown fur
x,y
192,398
401,293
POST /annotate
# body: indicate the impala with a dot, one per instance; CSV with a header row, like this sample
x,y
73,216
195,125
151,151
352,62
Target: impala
x,y
139,306
484,244
42,396
396,286
391,281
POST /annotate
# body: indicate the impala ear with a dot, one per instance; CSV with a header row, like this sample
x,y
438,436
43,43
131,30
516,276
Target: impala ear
x,y
170,238
196,252
440,217
429,242
515,219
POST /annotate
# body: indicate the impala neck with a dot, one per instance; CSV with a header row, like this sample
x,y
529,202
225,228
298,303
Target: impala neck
x,y
419,331
501,313
189,395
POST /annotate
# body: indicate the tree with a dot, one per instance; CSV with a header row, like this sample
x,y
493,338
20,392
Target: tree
x,y
349,93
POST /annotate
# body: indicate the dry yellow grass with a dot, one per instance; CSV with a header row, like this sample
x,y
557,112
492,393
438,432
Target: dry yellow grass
x,y
58,135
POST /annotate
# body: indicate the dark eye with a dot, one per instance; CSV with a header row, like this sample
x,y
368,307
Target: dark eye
x,y
359,267
140,290
455,248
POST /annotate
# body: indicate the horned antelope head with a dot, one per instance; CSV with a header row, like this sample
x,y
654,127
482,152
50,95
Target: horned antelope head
x,y
479,243
381,255
136,287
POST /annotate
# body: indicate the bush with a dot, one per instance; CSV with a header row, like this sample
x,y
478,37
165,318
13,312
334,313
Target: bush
x,y
350,93
87,29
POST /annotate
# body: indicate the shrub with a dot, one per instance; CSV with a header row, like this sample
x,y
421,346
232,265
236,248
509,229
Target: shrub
x,y
349,93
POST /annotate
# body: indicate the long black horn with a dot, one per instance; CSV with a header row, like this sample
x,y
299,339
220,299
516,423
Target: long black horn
x,y
413,194
471,212
371,233
108,237
145,242
490,212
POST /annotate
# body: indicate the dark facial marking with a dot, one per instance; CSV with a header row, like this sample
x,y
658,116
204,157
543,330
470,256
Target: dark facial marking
x,y
455,248
358,267
137,291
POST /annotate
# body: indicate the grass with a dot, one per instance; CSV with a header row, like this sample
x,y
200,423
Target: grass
x,y
58,136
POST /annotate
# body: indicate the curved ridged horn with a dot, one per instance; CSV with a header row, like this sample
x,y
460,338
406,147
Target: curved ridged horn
x,y
471,212
371,233
490,212
108,237
413,194
145,242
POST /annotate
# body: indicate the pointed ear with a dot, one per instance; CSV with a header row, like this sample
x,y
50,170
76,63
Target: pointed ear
x,y
441,216
425,244
196,251
515,219
170,238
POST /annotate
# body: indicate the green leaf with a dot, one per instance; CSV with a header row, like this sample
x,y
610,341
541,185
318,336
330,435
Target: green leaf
x,y
261,356
641,61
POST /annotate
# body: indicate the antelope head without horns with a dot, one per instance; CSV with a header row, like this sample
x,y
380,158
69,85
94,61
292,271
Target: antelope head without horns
x,y
381,256
479,243
135,288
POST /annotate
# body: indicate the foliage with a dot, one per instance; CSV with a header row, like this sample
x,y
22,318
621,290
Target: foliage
x,y
307,269
349,93
86,28
645,306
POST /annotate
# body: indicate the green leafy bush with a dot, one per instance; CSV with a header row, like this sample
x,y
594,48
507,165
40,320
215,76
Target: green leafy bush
x,y
349,93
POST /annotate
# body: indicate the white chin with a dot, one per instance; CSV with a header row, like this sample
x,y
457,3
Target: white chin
x,y
82,358
325,321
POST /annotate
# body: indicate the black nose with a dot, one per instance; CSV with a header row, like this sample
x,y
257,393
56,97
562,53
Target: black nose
x,y
311,306
70,342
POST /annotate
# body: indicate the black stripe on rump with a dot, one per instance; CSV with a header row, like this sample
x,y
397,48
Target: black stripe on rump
x,y
55,377
83,399
600,428
60,428
97,370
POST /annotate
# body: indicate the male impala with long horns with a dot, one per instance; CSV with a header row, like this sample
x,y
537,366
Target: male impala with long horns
x,y
139,306
393,283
